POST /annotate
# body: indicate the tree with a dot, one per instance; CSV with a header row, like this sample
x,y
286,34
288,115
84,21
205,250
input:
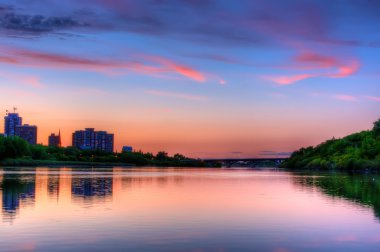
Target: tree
x,y
376,127
162,156
2,147
15,147
179,157
38,152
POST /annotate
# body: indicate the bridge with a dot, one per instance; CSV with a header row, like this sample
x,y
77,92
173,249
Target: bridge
x,y
247,162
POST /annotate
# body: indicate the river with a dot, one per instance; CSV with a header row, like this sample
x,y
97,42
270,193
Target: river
x,y
168,209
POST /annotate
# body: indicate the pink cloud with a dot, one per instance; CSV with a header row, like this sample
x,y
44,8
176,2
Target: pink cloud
x,y
288,80
316,60
333,68
344,97
189,72
373,98
169,65
150,65
346,70
177,95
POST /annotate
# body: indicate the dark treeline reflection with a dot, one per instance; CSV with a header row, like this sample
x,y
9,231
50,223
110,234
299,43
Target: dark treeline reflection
x,y
360,188
16,188
28,187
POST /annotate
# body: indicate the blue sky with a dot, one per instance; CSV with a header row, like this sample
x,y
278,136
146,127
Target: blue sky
x,y
205,78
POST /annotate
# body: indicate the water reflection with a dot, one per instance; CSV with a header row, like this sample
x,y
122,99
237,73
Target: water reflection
x,y
91,187
186,210
363,189
24,187
16,190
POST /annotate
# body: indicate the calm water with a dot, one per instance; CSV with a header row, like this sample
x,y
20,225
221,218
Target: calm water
x,y
120,209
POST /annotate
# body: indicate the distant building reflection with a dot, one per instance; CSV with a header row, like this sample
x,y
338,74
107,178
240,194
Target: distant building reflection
x,y
53,185
44,188
16,190
92,187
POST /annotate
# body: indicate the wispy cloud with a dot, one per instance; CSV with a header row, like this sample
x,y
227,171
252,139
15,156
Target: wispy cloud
x,y
287,80
313,60
373,98
345,97
346,70
35,23
213,21
150,65
218,58
332,68
183,70
177,95
273,22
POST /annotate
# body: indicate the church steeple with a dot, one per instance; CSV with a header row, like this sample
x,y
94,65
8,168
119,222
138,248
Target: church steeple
x,y
59,137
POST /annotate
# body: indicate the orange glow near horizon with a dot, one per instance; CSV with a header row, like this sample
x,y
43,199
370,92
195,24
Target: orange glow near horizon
x,y
153,131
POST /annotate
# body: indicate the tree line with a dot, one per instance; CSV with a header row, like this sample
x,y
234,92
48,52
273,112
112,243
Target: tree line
x,y
15,148
357,151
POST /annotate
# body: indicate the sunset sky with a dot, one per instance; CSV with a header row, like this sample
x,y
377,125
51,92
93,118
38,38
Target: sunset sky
x,y
244,78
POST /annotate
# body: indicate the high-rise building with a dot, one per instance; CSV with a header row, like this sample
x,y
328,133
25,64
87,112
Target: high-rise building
x,y
89,139
104,141
27,132
55,140
11,121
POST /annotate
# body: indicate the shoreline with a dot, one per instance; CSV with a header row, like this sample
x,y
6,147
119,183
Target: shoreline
x,y
54,163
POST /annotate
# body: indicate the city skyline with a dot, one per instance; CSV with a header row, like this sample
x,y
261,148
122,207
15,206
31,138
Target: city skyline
x,y
202,78
87,139
13,126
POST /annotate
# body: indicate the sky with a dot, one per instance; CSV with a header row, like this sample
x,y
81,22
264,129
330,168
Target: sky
x,y
209,79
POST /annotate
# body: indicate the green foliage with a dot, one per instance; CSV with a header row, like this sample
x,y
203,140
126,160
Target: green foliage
x,y
13,147
376,128
16,151
356,151
38,152
162,156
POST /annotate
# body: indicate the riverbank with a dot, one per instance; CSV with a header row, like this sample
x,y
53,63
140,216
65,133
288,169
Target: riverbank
x,y
359,151
54,163
15,151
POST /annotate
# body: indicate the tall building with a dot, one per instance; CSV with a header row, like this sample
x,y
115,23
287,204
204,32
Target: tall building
x,y
11,121
27,132
55,140
89,139
104,141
